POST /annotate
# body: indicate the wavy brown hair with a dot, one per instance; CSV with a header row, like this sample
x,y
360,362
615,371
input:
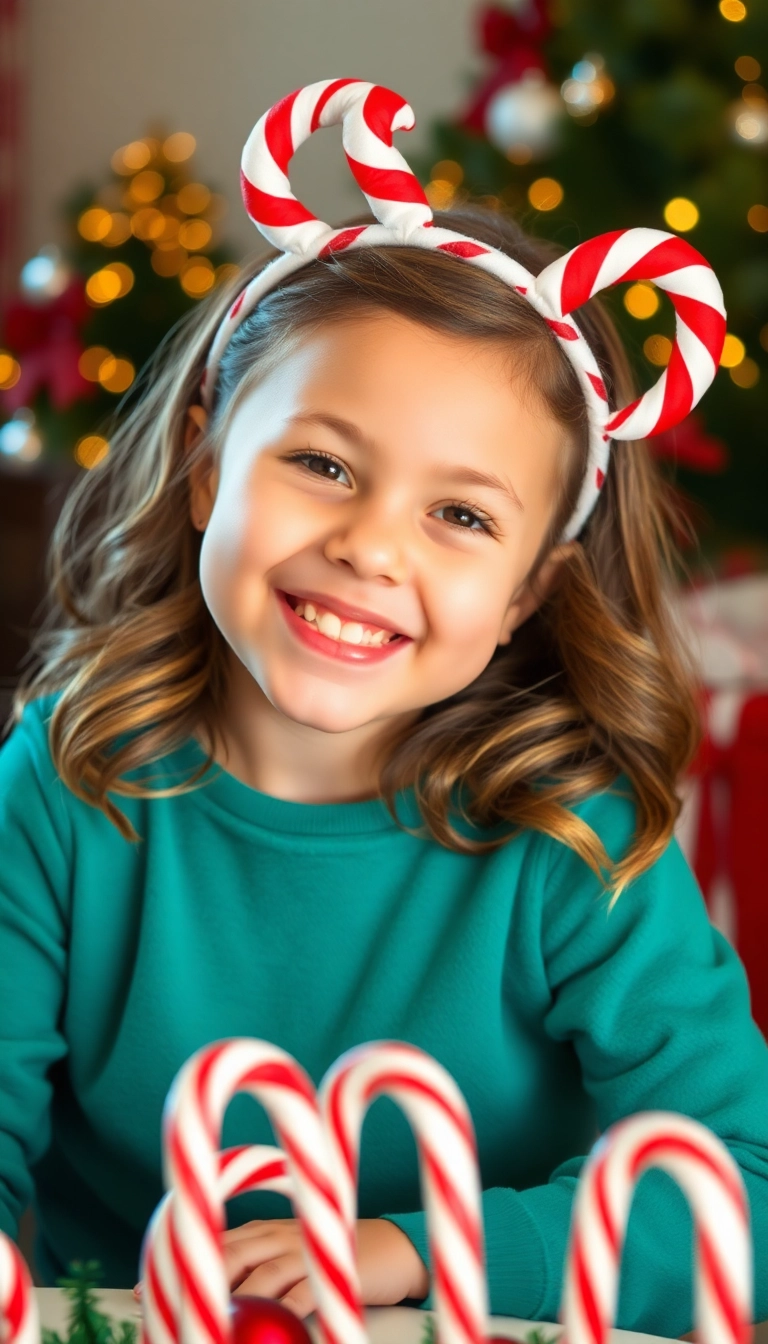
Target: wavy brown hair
x,y
594,684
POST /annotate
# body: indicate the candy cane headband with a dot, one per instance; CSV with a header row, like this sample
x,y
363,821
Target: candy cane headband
x,y
369,115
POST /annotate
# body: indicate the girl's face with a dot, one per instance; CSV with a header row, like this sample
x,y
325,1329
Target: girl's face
x,y
345,473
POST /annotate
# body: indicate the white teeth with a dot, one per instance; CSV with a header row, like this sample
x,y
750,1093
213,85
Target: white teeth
x,y
349,632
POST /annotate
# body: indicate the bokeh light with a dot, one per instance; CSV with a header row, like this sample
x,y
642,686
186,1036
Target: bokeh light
x,y
641,300
10,370
116,375
734,351
197,276
746,374
733,10
90,450
195,234
448,170
681,214
227,271
757,218
747,68
91,361
130,158
147,186
120,230
94,224
193,198
179,146
545,193
657,349
148,223
111,282
168,262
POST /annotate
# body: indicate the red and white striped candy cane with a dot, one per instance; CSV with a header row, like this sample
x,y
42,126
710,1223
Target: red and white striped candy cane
x,y
369,115
241,1169
712,1182
447,1151
19,1318
193,1118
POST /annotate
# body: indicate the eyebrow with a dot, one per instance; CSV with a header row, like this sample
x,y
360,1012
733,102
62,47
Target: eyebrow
x,y
465,475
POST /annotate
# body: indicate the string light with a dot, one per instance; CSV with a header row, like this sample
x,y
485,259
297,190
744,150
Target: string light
x,y
10,370
131,157
90,450
588,88
116,375
733,353
193,198
545,193
733,10
147,186
120,230
91,361
681,214
657,349
94,224
641,300
745,374
195,234
148,223
197,277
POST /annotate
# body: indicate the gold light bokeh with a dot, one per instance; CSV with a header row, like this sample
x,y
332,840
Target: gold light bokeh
x,y
147,186
110,283
90,450
168,262
193,198
116,375
227,271
545,193
179,146
130,158
439,193
657,349
757,218
197,276
91,361
747,68
120,230
148,223
733,10
641,300
10,370
734,351
448,170
195,234
746,374
681,214
94,224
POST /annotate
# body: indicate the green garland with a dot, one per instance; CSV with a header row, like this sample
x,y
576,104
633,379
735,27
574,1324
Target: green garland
x,y
535,1336
88,1325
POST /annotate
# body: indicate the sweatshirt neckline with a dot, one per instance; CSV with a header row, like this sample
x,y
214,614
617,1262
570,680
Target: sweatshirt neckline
x,y
218,788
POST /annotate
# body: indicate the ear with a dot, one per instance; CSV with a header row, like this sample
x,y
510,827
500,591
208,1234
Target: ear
x,y
203,475
530,596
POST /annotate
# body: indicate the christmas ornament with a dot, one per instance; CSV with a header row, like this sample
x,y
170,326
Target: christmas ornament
x,y
262,1320
369,115
45,276
522,119
514,37
45,334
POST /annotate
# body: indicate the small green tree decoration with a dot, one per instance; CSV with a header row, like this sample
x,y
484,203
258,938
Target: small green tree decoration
x,y
88,1325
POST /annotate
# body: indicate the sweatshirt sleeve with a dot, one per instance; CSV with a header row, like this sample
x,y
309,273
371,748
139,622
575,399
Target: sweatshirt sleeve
x,y
34,885
655,1003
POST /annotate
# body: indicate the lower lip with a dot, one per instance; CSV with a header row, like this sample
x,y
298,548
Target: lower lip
x,y
336,648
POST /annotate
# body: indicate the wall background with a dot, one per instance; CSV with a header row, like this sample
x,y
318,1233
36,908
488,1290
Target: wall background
x,y
99,70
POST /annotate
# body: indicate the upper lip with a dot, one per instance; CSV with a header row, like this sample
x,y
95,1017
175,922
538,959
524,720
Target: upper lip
x,y
360,614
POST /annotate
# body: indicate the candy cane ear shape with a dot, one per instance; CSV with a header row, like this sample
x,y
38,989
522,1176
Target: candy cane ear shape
x,y
672,264
712,1182
369,114
19,1316
445,1139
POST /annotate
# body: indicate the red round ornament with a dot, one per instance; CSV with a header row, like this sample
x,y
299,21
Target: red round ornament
x,y
262,1320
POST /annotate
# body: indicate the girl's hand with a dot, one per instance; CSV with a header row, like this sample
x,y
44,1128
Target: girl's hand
x,y
265,1258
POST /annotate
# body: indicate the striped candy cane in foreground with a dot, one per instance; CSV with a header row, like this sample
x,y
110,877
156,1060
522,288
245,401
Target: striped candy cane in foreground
x,y
447,1151
712,1182
241,1169
369,115
192,1122
19,1318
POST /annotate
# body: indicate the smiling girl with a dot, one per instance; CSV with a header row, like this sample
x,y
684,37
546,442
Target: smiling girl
x,y
339,734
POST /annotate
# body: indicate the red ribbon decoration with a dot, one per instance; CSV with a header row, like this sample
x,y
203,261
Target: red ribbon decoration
x,y
515,38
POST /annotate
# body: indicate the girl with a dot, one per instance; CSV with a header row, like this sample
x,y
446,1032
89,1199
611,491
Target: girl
x,y
334,737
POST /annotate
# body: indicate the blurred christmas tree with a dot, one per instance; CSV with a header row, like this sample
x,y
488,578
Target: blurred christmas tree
x,y
140,252
603,114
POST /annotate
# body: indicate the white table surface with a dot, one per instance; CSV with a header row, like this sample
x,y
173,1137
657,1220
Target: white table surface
x,y
386,1325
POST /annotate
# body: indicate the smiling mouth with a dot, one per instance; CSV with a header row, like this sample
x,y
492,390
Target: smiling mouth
x,y
331,625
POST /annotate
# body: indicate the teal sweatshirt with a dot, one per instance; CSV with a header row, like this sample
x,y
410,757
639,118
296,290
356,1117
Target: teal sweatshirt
x,y
320,926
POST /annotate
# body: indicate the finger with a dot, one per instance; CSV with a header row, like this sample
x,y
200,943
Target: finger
x,y
300,1299
273,1278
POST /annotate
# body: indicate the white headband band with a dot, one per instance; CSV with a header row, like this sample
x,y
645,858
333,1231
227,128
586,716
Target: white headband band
x,y
369,114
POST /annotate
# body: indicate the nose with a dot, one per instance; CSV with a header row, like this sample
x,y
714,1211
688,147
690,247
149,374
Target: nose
x,y
372,539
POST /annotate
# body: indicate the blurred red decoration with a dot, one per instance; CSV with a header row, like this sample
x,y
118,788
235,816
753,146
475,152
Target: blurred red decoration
x,y
689,445
46,339
262,1320
514,37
